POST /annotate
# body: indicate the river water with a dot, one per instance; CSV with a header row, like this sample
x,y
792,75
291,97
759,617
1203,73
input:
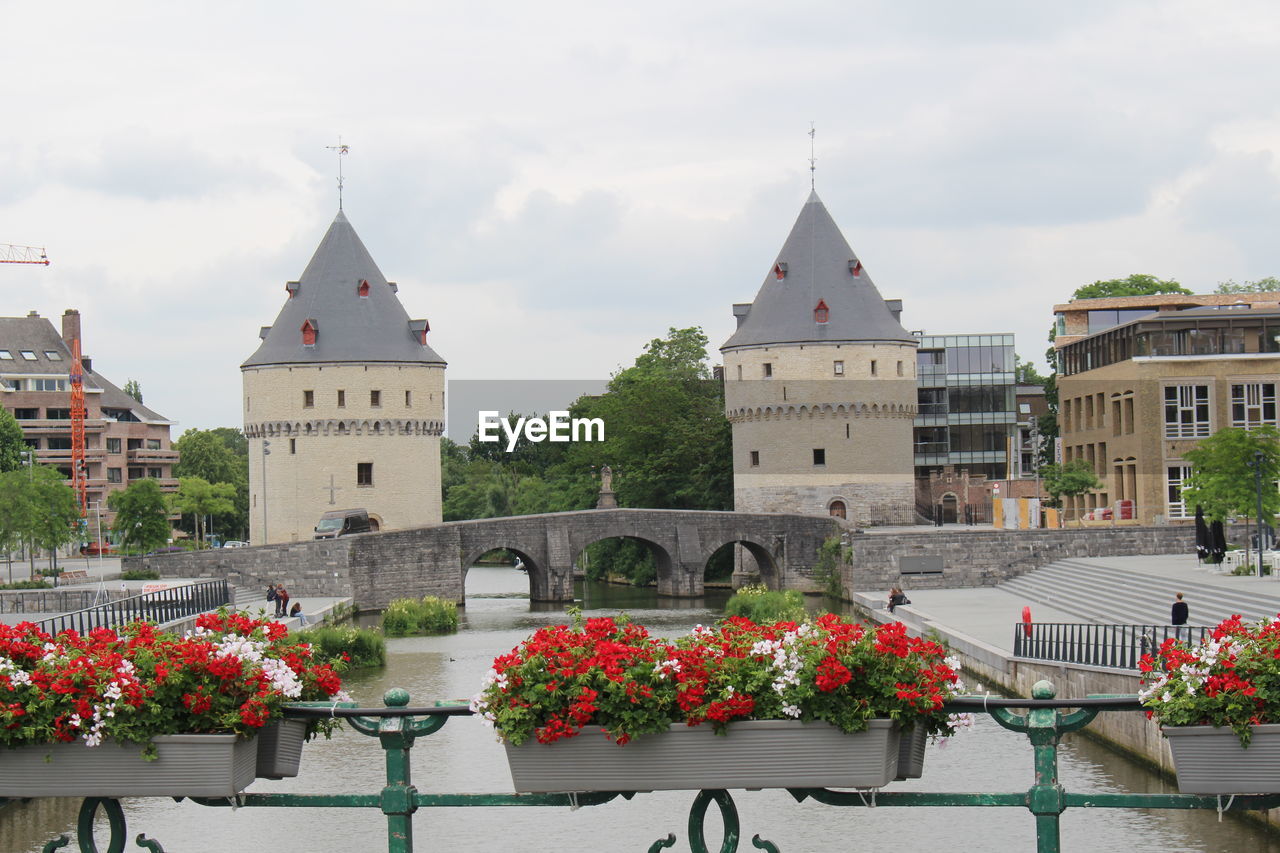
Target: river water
x,y
464,757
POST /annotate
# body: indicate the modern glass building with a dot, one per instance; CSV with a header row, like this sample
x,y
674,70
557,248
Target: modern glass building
x,y
967,408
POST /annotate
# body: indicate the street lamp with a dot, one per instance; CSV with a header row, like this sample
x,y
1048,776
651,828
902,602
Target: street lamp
x,y
1256,464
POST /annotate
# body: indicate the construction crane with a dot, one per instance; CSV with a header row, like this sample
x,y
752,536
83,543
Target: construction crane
x,y
11,254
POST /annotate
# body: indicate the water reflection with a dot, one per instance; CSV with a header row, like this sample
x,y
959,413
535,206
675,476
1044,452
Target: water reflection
x,y
464,757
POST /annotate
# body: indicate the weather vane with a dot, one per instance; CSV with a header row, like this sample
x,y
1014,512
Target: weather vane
x,y
813,161
342,150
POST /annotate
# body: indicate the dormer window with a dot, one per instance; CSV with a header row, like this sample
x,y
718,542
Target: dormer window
x,y
855,267
821,313
780,270
363,288
309,330
292,288
419,329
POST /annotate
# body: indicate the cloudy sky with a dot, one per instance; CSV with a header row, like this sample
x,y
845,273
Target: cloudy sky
x,y
554,184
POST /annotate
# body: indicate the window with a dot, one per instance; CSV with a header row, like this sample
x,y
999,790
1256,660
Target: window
x,y
1253,404
1186,411
135,473
837,509
342,399
113,445
873,367
768,370
293,446
113,475
755,459
838,367
58,414
53,355
134,444
46,385
408,399
308,399
309,330
6,355
819,456
27,414
375,399
27,354
821,313
58,442
363,288
154,473
899,368
364,473
153,444
1177,475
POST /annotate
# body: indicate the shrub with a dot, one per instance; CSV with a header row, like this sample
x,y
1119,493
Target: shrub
x,y
762,605
430,615
28,584
352,646
140,575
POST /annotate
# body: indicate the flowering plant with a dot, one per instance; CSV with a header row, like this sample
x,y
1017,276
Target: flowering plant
x,y
232,674
1231,678
613,674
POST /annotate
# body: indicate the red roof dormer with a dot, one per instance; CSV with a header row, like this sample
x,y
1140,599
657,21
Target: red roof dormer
x,y
309,330
821,313
363,288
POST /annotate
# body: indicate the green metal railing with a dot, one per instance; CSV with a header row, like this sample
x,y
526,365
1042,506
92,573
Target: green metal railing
x,y
398,726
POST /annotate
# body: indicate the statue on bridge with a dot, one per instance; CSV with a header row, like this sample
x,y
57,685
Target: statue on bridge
x,y
608,499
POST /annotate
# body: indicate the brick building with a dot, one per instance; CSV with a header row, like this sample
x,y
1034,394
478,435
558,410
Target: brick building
x,y
1142,379
124,440
343,402
820,386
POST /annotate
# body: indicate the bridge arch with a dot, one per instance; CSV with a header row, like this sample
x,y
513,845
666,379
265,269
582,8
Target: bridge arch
x,y
766,560
662,560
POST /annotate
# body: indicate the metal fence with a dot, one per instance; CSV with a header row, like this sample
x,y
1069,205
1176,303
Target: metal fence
x,y
160,606
1120,646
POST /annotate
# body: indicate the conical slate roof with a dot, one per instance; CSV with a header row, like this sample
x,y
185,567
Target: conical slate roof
x,y
816,266
349,326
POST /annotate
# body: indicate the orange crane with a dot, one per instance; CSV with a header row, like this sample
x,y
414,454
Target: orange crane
x,y
11,254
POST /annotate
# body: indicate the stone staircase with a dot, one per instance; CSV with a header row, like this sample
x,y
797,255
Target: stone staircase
x,y
1109,595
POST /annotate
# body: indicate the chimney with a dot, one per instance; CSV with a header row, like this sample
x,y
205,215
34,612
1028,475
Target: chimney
x,y
70,326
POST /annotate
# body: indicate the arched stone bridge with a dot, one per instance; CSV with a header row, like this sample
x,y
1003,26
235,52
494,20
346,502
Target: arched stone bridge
x,y
375,568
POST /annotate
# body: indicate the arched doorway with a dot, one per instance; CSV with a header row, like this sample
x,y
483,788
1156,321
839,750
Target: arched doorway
x,y
949,505
837,509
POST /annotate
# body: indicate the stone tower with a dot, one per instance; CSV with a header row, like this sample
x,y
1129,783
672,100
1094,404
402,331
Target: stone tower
x,y
820,386
349,398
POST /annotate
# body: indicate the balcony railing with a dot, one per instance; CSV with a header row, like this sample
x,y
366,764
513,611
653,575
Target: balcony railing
x,y
398,727
142,454
161,606
1119,646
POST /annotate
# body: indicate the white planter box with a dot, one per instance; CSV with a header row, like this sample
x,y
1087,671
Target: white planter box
x,y
1211,761
280,748
188,766
752,754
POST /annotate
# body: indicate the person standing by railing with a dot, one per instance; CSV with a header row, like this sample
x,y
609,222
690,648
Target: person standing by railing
x,y
1178,616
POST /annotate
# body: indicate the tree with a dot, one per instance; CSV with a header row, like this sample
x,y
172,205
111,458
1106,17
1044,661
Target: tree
x,y
1069,479
37,509
198,498
219,455
1025,373
142,515
11,443
1270,284
133,389
1138,284
1222,481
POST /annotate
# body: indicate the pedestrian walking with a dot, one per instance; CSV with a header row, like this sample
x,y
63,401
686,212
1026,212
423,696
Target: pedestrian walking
x,y
1178,615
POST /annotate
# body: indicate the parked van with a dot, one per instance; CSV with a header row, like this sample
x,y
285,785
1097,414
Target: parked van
x,y
342,522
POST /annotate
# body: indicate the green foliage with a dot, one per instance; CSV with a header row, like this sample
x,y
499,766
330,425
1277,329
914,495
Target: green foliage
x,y
1069,479
133,389
219,455
827,570
1025,373
38,583
430,615
140,575
1222,480
765,606
142,515
37,508
1138,284
354,647
11,443
198,497
1270,284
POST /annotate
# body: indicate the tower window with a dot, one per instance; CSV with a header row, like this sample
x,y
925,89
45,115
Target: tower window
x,y
821,313
873,367
363,288
755,459
768,370
899,368
819,456
342,399
855,267
839,368
375,399
780,271
293,446
408,399
308,399
364,473
309,330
